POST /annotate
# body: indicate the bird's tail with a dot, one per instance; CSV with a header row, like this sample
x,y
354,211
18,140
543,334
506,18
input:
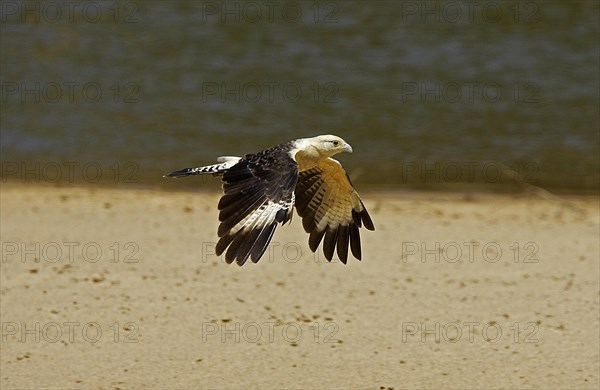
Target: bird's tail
x,y
225,163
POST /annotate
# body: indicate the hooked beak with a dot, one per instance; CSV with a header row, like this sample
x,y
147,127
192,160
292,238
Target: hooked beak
x,y
347,148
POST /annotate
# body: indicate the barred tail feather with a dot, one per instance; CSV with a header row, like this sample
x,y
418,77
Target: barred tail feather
x,y
214,169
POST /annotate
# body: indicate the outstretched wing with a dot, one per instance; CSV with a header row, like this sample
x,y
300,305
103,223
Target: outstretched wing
x,y
258,194
331,208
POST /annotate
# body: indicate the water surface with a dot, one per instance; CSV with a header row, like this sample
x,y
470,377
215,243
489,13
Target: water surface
x,y
429,96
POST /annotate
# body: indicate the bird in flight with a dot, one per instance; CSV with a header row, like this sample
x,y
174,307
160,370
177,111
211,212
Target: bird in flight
x,y
260,190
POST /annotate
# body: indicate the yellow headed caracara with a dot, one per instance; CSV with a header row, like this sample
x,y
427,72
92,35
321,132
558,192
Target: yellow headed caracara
x,y
260,190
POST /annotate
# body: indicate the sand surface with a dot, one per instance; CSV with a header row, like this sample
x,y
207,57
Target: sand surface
x,y
106,288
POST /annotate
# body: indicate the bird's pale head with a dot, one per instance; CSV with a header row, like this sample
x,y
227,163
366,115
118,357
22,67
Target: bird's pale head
x,y
330,145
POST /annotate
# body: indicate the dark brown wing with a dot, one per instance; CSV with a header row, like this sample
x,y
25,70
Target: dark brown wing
x,y
331,210
258,194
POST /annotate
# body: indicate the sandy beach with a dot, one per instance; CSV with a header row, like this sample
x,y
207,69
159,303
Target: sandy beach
x,y
115,288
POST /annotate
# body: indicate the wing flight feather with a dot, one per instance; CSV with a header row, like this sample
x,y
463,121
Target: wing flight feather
x,y
331,210
258,195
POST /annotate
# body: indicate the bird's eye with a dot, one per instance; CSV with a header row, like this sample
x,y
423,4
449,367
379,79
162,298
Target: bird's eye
x,y
335,143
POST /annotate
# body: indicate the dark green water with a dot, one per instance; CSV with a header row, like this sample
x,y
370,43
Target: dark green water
x,y
435,95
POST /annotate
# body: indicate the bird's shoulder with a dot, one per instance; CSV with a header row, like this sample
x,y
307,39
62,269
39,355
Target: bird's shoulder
x,y
277,157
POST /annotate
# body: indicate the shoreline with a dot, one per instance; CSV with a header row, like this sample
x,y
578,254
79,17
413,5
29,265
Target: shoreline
x,y
215,188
